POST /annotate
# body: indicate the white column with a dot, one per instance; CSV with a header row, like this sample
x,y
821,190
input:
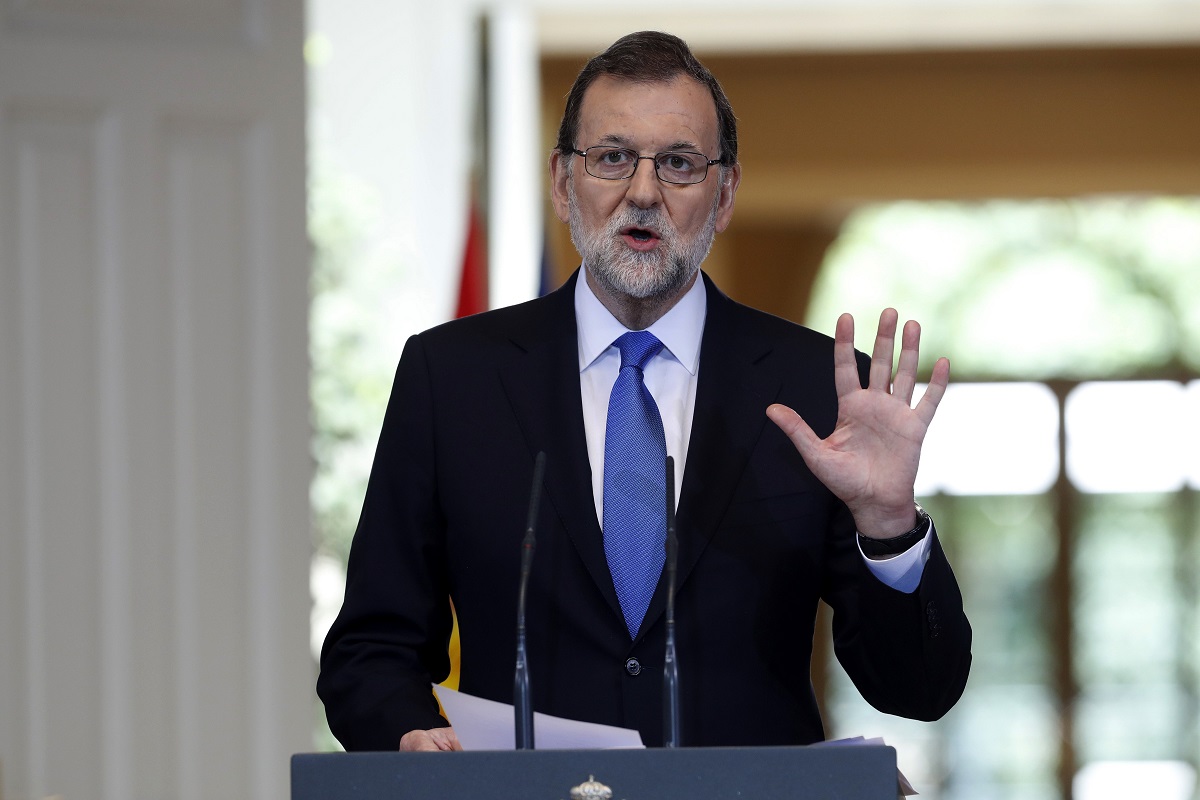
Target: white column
x,y
516,163
154,438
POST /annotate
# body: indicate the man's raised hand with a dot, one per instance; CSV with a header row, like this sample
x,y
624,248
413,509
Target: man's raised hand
x,y
870,459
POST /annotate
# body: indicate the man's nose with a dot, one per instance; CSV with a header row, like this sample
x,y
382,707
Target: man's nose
x,y
645,190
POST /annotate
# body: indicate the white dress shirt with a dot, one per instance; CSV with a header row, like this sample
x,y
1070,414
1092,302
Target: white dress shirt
x,y
671,379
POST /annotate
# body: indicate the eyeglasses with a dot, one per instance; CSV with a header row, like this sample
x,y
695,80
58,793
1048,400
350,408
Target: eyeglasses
x,y
619,163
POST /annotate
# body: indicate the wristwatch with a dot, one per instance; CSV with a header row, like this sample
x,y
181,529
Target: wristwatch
x,y
897,544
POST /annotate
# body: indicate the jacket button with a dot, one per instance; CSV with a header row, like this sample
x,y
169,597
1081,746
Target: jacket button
x,y
633,666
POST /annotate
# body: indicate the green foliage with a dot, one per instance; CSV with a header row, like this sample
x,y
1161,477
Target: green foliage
x,y
351,364
1034,289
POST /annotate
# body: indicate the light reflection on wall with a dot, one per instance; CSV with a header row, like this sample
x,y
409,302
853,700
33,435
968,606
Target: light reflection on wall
x,y
1126,436
1122,436
991,438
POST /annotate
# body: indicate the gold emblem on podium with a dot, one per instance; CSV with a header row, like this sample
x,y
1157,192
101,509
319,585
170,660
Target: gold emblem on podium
x,y
591,789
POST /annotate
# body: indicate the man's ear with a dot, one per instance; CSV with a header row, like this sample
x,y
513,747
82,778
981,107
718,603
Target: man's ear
x,y
730,180
559,175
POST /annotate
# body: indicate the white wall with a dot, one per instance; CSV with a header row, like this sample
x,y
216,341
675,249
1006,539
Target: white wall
x,y
394,90
154,466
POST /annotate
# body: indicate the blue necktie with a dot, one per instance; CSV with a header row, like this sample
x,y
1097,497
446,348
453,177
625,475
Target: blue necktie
x,y
635,499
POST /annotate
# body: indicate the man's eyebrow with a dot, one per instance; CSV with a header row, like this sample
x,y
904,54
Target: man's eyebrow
x,y
617,140
614,139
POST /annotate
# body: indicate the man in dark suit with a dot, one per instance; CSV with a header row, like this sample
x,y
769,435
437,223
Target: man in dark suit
x,y
795,483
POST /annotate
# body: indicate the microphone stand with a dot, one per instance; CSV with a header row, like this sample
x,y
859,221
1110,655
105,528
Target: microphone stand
x,y
522,702
670,665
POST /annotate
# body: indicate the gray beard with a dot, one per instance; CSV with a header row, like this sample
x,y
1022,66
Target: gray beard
x,y
662,272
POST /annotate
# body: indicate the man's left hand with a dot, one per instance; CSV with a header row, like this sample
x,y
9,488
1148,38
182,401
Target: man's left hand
x,y
870,459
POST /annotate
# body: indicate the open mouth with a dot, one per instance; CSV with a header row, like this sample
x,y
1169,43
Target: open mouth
x,y
643,236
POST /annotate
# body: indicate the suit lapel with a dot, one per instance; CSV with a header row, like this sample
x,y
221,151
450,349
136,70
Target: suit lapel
x,y
542,384
732,396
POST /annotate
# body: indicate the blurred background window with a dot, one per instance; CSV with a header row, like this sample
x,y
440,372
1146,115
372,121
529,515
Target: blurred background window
x,y
1079,581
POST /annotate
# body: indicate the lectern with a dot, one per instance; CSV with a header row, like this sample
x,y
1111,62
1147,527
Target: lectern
x,y
737,773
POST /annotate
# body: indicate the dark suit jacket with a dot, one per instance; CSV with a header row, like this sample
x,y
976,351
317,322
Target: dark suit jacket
x,y
761,540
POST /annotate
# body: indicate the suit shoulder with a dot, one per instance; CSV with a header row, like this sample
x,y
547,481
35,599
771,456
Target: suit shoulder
x,y
785,337
530,319
778,329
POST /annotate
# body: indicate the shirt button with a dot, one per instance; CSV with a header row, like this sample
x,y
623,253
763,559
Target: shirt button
x,y
633,666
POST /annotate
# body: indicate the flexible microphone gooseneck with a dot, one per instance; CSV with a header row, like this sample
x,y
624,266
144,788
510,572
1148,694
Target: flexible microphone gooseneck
x,y
670,665
522,703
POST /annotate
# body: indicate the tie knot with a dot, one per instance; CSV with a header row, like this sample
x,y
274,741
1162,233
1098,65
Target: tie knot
x,y
637,347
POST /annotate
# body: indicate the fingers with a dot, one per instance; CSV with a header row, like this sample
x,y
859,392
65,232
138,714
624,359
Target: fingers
x,y
906,370
903,384
417,741
845,367
934,392
430,741
795,428
446,739
885,347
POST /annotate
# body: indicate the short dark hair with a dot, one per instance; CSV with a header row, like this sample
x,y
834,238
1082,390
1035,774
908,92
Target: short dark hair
x,y
649,57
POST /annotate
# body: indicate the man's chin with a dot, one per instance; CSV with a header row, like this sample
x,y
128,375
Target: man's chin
x,y
644,284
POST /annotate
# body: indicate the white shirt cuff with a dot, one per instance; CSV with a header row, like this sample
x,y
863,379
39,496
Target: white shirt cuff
x,y
902,571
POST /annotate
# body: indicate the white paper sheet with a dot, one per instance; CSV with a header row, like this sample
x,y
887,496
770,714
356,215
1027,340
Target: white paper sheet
x,y
487,725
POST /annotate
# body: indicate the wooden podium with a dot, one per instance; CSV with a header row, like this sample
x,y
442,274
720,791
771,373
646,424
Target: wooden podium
x,y
736,773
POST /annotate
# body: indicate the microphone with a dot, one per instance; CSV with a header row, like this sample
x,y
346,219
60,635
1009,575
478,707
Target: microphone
x,y
522,703
670,665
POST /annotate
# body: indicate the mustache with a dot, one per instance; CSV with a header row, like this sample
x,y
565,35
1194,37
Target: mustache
x,y
647,219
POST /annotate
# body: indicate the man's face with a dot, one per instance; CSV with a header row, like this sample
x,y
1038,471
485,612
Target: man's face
x,y
641,237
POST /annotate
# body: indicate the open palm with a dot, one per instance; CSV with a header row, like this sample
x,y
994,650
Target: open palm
x,y
870,459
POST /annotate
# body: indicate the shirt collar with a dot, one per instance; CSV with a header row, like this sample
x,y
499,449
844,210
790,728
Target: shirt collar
x,y
680,329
